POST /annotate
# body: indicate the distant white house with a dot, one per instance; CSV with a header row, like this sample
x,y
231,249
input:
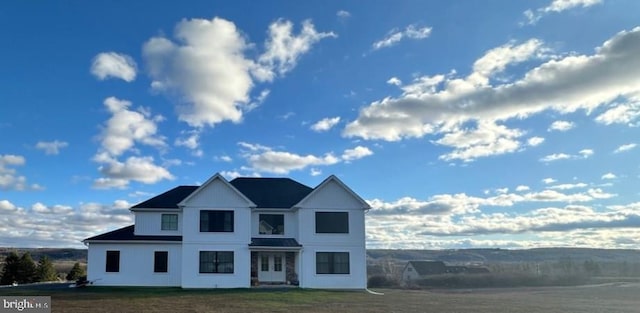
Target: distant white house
x,y
238,233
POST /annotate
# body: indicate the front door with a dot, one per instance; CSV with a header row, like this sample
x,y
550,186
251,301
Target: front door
x,y
271,267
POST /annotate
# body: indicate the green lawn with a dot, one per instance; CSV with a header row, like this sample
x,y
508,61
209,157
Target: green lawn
x,y
609,298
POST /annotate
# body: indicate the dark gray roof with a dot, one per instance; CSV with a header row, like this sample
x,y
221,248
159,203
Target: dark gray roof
x,y
126,234
167,200
271,192
429,267
274,242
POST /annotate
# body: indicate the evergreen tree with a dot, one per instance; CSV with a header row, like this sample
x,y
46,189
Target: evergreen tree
x,y
76,272
46,272
10,270
27,269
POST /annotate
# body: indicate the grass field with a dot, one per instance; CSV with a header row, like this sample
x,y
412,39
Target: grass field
x,y
609,298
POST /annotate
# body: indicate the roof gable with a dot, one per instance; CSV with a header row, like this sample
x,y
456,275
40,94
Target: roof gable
x,y
332,193
271,192
168,199
216,192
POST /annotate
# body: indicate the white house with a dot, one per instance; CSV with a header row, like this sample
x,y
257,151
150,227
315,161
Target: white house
x,y
238,233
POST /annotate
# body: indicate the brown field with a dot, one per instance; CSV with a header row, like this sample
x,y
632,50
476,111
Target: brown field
x,y
609,298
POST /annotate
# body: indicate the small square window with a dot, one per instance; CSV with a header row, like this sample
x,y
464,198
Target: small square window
x,y
169,222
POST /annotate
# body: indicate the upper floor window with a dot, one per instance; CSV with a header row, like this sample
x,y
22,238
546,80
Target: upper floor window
x,y
271,224
113,261
169,222
332,222
216,221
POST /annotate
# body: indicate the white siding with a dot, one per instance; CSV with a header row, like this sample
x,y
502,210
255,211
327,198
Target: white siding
x,y
150,223
331,196
136,265
290,223
409,273
241,233
217,194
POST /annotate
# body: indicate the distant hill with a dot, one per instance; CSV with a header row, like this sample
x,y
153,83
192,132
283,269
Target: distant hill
x,y
460,256
55,254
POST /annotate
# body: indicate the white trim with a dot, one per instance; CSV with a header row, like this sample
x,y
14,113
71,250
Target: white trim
x,y
174,210
132,241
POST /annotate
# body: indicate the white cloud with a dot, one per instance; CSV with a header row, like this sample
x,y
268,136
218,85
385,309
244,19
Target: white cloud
x,y
281,162
486,139
127,127
609,176
625,147
51,147
626,113
283,48
325,124
534,141
557,6
230,174
9,177
522,188
561,126
315,172
356,153
343,14
585,153
394,81
60,225
116,65
395,36
568,186
213,78
124,129
549,180
563,85
582,154
224,158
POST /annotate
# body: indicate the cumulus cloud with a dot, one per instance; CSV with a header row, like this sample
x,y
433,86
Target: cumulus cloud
x,y
582,154
356,153
568,186
9,177
116,65
122,131
609,176
563,84
394,81
485,140
534,141
625,147
549,180
325,124
561,126
207,68
621,113
395,36
343,14
51,147
58,225
522,188
556,6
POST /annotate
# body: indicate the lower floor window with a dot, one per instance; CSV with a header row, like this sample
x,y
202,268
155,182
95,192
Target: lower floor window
x,y
332,262
160,261
216,261
113,261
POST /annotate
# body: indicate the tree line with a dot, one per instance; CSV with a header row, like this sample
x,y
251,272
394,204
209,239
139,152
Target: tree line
x,y
23,270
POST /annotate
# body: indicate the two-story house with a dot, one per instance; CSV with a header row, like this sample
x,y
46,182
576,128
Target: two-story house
x,y
238,233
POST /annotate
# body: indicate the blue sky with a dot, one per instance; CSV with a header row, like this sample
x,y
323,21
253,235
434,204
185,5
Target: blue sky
x,y
509,124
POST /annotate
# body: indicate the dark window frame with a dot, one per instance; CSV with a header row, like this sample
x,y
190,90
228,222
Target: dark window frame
x,y
161,261
334,263
278,230
168,225
112,264
332,222
216,221
215,260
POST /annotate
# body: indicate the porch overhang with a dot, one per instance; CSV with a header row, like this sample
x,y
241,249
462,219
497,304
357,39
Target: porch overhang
x,y
274,244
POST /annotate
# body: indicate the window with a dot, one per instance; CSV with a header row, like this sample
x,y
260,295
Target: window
x,y
216,261
271,224
216,221
332,262
169,222
277,263
160,260
113,262
332,222
264,263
